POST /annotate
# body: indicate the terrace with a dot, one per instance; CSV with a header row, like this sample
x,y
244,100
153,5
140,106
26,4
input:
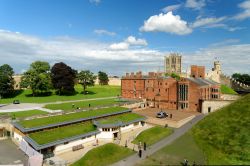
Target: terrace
x,y
47,138
119,120
66,119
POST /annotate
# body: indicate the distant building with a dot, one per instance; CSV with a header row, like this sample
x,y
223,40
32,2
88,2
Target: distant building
x,y
173,63
115,81
197,71
17,79
166,92
215,73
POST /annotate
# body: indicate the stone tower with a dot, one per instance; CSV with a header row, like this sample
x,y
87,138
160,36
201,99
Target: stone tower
x,y
173,63
217,67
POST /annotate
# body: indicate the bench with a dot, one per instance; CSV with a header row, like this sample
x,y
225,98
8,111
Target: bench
x,y
77,147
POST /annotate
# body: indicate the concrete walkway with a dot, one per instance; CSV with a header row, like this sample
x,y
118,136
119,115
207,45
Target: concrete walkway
x,y
130,136
132,160
33,106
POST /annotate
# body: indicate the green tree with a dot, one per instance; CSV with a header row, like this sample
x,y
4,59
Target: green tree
x,y
63,78
37,78
6,80
243,78
103,78
86,78
173,75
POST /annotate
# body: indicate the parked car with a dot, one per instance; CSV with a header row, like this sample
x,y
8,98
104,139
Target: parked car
x,y
16,102
162,114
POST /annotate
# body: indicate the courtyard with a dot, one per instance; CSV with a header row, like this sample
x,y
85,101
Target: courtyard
x,y
178,119
16,157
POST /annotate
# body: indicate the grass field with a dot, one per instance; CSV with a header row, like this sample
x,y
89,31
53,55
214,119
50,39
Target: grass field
x,y
96,91
68,117
124,118
226,90
224,135
24,114
153,135
82,104
60,133
104,155
175,153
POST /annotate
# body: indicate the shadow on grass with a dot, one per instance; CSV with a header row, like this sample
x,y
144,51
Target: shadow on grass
x,y
88,93
39,94
14,94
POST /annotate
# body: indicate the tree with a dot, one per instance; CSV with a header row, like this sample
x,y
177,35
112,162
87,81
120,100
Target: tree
x,y
86,78
243,78
63,78
37,78
103,78
173,75
6,80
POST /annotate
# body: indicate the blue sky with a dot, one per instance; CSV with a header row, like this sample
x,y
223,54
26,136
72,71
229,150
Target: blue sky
x,y
119,36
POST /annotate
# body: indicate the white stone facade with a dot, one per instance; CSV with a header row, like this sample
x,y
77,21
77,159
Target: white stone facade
x,y
68,147
212,106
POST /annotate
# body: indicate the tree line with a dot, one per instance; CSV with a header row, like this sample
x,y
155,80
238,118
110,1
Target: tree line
x,y
41,79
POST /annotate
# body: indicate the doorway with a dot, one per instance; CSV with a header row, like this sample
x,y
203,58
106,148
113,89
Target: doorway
x,y
209,109
115,135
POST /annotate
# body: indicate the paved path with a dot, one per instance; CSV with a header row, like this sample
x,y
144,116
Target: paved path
x,y
10,154
132,160
32,106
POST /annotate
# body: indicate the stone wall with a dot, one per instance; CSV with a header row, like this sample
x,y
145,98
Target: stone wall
x,y
212,106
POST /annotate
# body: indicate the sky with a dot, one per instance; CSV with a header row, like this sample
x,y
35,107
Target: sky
x,y
119,36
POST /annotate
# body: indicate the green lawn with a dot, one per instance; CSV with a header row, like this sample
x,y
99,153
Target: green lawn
x,y
60,133
182,148
68,117
224,135
96,91
104,155
120,118
227,90
81,104
153,135
24,114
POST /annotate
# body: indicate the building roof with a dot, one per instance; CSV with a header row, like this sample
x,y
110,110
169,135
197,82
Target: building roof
x,y
37,146
202,82
24,130
119,120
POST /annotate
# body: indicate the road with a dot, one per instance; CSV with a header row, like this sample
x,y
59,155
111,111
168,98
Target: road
x,y
132,160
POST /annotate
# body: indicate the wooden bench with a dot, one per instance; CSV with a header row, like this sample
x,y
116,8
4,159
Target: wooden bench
x,y
77,147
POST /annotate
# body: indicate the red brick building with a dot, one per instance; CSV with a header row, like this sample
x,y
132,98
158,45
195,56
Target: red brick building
x,y
166,92
197,71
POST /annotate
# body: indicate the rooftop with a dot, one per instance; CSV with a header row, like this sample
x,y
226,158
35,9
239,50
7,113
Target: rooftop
x,y
60,133
52,121
119,120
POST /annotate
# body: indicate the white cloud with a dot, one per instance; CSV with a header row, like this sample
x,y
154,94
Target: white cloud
x,y
119,46
207,21
195,4
166,23
130,41
225,42
234,57
20,50
95,1
104,32
245,6
171,8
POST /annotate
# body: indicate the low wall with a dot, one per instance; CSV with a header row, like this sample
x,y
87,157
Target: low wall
x,y
68,147
212,106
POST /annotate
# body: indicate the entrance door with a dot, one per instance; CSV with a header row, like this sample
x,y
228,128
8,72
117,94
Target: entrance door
x,y
115,135
209,109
